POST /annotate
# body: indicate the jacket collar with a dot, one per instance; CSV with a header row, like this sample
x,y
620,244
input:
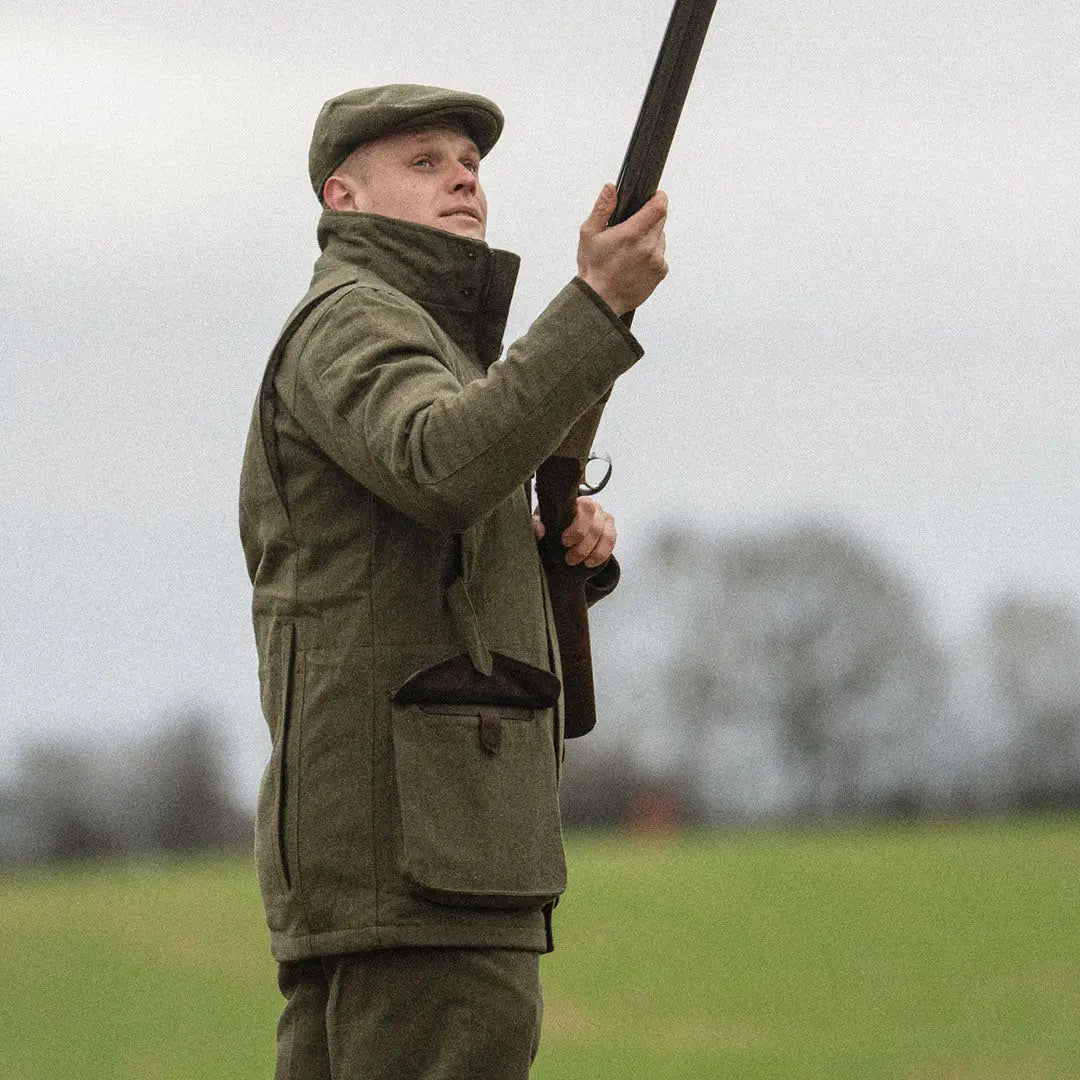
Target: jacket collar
x,y
463,284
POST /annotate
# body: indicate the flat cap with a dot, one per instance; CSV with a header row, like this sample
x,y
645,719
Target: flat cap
x,y
359,116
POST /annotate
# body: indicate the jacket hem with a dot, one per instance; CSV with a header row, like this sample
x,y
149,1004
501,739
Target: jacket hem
x,y
491,935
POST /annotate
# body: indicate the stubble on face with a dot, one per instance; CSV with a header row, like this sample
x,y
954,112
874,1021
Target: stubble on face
x,y
428,176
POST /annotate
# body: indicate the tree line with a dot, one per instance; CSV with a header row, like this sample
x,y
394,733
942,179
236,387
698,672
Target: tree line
x,y
166,793
794,674
783,675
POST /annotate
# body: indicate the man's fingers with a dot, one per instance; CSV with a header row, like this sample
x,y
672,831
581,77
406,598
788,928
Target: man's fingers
x,y
584,516
648,220
651,218
656,234
623,264
594,550
590,538
604,207
604,546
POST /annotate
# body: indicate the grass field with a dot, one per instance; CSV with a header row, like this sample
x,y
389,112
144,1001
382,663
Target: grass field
x,y
944,952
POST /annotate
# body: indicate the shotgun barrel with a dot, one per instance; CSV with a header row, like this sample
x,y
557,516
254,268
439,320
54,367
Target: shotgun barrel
x,y
559,478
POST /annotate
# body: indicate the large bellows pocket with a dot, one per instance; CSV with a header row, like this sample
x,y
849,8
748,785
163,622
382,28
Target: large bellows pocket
x,y
479,804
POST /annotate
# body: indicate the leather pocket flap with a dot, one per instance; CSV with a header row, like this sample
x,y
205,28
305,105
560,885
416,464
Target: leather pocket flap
x,y
457,682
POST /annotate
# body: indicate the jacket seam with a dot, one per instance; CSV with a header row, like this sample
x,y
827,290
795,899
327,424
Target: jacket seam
x,y
374,750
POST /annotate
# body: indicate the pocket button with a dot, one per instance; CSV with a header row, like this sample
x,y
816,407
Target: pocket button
x,y
490,732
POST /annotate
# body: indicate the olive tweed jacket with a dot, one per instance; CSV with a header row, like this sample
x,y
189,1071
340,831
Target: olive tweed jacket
x,y
387,531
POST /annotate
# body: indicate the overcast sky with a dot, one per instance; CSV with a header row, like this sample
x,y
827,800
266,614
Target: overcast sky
x,y
871,314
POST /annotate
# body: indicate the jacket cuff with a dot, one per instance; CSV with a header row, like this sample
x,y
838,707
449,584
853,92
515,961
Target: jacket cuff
x,y
602,582
606,308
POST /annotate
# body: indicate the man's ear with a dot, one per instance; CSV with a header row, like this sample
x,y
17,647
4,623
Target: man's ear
x,y
338,194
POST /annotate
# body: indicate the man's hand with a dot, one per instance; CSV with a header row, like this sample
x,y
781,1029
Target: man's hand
x,y
623,263
590,537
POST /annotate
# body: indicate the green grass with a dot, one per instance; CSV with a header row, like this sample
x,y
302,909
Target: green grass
x,y
944,952
919,952
149,971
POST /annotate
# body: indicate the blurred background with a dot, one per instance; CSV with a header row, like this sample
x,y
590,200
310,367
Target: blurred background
x,y
846,469
833,787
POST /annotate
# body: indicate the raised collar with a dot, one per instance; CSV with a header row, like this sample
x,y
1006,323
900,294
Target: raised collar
x,y
463,284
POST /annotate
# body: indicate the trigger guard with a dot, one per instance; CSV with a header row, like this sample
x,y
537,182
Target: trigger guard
x,y
585,488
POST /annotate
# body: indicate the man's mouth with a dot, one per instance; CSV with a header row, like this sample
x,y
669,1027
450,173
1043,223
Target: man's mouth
x,y
468,211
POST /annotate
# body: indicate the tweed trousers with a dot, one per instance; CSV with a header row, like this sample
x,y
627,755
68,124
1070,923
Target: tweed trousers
x,y
410,1014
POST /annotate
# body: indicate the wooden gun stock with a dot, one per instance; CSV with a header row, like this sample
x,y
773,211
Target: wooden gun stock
x,y
558,479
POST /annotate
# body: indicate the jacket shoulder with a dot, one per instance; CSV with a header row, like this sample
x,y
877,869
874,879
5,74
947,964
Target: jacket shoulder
x,y
367,314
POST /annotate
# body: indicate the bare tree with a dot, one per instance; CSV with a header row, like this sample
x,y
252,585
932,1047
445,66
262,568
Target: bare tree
x,y
185,791
53,810
805,642
1034,647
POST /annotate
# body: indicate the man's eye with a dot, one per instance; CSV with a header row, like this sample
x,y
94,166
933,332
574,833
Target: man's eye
x,y
425,162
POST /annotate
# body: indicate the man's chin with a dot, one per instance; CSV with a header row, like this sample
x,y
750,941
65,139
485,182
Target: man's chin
x,y
463,225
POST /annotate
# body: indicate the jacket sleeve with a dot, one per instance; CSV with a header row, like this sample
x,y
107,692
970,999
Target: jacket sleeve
x,y
371,390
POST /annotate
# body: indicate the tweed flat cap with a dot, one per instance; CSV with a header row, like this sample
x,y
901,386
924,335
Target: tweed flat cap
x,y
359,116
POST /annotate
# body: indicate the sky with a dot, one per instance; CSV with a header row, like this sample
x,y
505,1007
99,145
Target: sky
x,y
870,318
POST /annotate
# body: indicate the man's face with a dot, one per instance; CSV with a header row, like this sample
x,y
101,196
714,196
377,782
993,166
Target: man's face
x,y
429,177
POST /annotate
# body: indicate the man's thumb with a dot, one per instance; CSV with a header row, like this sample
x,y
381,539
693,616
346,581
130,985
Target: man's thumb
x,y
601,211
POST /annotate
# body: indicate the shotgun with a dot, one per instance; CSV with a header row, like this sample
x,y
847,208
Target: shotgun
x,y
560,479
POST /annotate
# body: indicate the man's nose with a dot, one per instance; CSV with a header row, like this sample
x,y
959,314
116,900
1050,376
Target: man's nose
x,y
464,178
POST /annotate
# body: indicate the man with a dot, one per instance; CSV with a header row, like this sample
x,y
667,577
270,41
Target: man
x,y
408,842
